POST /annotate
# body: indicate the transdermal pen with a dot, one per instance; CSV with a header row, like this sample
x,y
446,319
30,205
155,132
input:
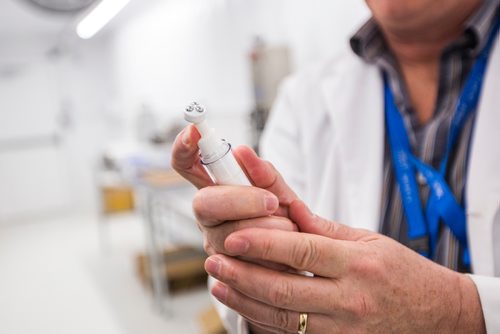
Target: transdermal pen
x,y
216,154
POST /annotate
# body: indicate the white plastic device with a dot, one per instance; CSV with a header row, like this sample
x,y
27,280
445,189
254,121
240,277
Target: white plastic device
x,y
216,154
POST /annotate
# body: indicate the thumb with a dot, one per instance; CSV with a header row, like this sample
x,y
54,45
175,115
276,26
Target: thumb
x,y
263,175
308,222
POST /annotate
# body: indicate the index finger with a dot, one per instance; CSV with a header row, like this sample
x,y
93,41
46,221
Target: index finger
x,y
264,175
305,252
186,160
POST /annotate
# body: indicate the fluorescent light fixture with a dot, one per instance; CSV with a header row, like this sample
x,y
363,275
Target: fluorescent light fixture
x,y
99,17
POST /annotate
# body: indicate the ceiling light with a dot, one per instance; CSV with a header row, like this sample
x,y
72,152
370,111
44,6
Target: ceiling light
x,y
99,17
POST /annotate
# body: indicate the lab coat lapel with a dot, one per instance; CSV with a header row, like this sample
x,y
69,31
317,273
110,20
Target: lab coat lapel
x,y
354,99
483,187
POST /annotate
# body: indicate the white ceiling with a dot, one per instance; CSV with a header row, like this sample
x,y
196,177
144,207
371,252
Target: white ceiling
x,y
17,17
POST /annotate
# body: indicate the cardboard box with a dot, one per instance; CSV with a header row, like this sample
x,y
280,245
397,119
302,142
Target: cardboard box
x,y
183,268
117,199
210,322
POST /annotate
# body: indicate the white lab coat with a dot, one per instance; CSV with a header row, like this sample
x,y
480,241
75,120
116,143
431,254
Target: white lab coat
x,y
326,136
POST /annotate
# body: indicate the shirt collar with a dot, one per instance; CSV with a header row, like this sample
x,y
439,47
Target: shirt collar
x,y
368,42
480,23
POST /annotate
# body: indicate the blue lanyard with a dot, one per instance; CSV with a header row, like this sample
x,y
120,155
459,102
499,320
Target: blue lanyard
x,y
441,205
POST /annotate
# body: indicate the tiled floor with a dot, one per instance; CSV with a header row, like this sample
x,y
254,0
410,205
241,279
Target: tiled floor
x,y
55,278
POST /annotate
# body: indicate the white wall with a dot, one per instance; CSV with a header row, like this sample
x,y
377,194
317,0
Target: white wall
x,y
180,50
86,87
30,162
65,95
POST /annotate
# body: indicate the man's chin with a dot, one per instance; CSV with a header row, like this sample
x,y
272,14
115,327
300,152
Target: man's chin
x,y
400,11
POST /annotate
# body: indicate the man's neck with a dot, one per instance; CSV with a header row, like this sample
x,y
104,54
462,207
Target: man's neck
x,y
418,49
422,41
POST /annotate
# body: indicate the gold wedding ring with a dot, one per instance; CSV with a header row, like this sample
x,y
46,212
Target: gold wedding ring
x,y
302,323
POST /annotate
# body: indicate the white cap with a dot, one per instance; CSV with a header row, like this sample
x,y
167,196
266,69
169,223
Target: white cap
x,y
209,144
194,113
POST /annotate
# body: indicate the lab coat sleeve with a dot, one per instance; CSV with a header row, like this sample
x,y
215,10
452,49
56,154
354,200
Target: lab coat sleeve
x,y
280,138
489,294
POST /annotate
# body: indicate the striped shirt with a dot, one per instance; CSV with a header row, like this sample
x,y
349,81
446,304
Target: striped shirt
x,y
429,140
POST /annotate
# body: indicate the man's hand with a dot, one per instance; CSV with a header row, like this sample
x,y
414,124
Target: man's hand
x,y
364,282
221,210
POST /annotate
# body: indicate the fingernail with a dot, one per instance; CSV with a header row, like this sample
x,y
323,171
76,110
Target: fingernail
x,y
237,246
272,203
212,266
220,292
186,137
